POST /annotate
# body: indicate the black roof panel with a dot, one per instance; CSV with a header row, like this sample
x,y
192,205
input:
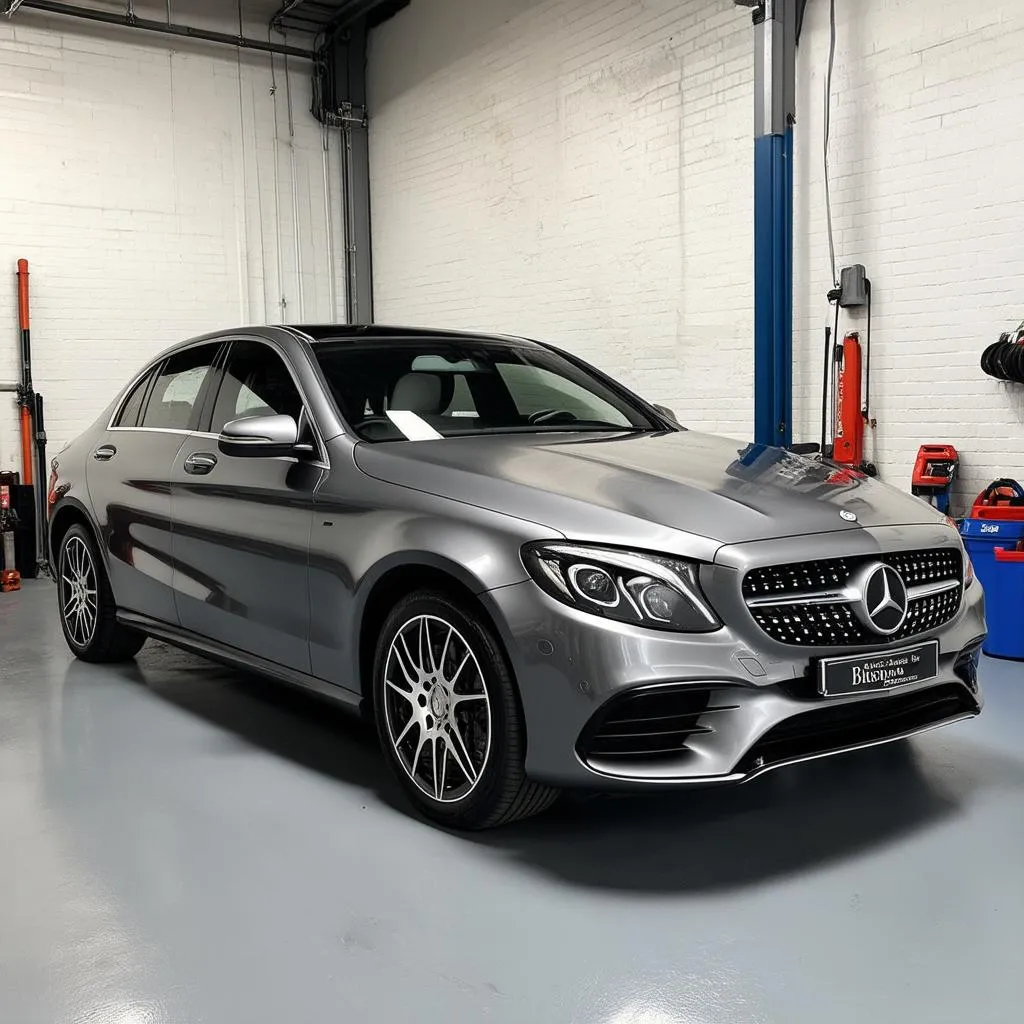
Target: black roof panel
x,y
384,332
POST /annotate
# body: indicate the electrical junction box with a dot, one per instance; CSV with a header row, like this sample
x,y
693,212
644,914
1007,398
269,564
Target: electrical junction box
x,y
853,286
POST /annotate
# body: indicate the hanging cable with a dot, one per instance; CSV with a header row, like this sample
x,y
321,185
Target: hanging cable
x,y
831,336
867,361
282,301
295,189
828,127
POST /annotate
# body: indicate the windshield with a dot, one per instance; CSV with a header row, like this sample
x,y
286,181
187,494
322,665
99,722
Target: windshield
x,y
420,389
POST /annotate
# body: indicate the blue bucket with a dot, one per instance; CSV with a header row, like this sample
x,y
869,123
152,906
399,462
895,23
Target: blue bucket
x,y
1002,577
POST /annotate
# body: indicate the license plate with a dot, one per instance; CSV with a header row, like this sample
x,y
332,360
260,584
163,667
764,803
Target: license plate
x,y
869,673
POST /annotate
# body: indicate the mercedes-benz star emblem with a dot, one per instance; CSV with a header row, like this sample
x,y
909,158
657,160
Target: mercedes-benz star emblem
x,y
883,598
850,517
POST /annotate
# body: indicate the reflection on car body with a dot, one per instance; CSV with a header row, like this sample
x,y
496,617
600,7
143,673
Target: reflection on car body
x,y
528,576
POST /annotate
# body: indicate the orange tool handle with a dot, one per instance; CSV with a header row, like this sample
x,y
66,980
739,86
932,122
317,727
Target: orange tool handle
x,y
26,444
23,294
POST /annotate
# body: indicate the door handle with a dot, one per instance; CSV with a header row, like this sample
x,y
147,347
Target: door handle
x,y
200,462
104,453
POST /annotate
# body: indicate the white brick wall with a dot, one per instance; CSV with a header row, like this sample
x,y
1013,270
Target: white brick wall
x,y
141,179
526,161
582,170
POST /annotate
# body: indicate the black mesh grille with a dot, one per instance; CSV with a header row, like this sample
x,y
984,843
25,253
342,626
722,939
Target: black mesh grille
x,y
919,567
798,578
811,625
928,612
648,725
834,625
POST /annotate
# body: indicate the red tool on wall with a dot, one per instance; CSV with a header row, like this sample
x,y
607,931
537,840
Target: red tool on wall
x,y
846,378
848,434
849,404
33,433
25,394
935,470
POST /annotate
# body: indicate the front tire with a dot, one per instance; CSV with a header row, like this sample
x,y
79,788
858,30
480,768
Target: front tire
x,y
448,716
86,605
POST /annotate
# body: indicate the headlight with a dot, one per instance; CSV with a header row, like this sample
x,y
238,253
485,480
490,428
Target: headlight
x,y
647,590
968,565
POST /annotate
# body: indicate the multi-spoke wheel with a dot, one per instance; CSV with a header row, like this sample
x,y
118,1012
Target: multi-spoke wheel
x,y
448,715
86,604
79,595
436,708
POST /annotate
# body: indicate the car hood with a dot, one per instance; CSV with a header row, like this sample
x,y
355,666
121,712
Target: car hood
x,y
704,485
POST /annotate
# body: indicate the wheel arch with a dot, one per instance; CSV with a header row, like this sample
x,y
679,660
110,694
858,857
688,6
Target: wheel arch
x,y
66,513
414,571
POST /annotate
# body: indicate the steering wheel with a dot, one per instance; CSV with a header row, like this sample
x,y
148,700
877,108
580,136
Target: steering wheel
x,y
377,421
552,416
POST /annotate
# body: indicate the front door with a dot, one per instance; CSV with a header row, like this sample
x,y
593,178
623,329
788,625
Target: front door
x,y
128,474
241,525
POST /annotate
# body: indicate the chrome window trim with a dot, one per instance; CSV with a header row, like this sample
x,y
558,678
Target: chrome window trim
x,y
152,365
156,430
322,460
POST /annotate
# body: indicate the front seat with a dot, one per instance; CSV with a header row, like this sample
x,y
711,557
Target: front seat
x,y
426,394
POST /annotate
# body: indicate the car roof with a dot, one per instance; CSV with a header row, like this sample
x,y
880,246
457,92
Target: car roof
x,y
385,332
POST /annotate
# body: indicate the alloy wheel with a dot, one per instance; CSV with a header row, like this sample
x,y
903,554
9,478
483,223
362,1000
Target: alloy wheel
x,y
436,708
79,600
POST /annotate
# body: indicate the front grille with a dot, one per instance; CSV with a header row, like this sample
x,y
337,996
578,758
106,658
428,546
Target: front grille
x,y
837,726
646,725
833,624
920,567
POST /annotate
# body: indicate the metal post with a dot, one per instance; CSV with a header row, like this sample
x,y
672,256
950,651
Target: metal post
x,y
774,116
349,113
356,185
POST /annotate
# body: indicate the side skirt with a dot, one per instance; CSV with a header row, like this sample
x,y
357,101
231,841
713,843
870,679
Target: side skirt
x,y
235,658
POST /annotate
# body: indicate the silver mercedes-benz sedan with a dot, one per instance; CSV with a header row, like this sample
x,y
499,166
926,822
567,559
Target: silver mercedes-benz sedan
x,y
527,576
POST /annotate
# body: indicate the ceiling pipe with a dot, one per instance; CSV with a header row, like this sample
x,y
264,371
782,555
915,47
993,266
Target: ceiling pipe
x,y
160,27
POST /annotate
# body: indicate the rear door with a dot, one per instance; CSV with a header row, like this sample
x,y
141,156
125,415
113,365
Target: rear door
x,y
128,474
241,525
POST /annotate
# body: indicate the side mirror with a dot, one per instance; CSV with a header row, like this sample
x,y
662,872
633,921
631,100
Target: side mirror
x,y
259,437
668,414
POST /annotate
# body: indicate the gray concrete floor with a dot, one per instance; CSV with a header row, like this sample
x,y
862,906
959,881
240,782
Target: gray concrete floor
x,y
180,843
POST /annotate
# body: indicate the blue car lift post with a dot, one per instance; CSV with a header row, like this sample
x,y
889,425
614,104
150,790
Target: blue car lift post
x,y
774,116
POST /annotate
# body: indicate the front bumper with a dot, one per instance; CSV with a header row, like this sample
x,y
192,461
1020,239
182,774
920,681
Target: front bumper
x,y
753,705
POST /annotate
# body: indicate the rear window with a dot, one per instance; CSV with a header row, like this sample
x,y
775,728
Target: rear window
x,y
177,388
416,389
129,414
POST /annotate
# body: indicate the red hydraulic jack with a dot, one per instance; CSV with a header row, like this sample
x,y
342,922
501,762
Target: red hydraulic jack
x,y
849,405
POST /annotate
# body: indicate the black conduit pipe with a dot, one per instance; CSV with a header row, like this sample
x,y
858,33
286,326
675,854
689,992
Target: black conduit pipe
x,y
163,28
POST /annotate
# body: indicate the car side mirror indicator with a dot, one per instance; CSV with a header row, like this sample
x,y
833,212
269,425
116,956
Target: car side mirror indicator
x,y
259,437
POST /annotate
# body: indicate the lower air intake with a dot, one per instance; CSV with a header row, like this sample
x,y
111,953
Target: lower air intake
x,y
646,725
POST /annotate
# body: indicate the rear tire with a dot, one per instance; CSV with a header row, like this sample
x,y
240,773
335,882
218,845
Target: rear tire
x,y
85,603
448,716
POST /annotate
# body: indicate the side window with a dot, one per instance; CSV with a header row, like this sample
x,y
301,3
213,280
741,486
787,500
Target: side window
x,y
534,390
129,414
177,388
256,382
